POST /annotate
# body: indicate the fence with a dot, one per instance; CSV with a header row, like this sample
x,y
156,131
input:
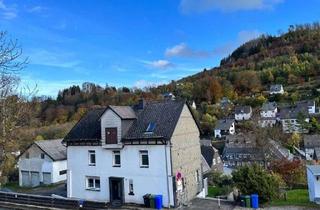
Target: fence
x,y
51,202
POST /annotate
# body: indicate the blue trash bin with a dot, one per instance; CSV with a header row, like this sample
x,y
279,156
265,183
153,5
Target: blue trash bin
x,y
254,201
158,201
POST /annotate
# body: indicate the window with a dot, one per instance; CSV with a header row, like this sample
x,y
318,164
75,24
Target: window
x,y
131,187
92,158
144,159
42,155
27,155
151,127
62,172
93,183
116,159
197,176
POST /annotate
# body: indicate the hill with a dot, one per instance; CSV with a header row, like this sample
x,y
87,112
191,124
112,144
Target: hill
x,y
291,59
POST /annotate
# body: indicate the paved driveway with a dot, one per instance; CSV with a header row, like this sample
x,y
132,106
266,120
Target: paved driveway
x,y
206,204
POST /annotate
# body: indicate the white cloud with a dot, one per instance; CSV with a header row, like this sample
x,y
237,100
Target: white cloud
x,y
182,50
7,12
158,64
200,6
144,83
36,9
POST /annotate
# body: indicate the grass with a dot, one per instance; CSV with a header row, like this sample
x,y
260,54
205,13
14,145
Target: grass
x,y
298,197
214,191
14,186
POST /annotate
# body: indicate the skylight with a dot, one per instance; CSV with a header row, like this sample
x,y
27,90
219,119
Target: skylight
x,y
151,127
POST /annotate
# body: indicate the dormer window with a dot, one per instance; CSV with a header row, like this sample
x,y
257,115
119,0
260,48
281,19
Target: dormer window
x,y
151,127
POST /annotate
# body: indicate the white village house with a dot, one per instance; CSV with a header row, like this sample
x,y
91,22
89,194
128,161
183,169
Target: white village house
x,y
313,176
43,162
242,113
276,89
120,153
289,116
224,127
268,114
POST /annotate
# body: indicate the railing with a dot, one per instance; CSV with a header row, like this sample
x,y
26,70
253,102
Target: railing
x,y
47,201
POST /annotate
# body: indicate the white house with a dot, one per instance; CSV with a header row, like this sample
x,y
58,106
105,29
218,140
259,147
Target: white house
x,y
313,176
119,153
224,127
289,116
268,114
243,113
276,89
43,162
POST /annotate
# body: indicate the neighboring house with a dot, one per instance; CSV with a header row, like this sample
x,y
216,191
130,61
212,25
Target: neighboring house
x,y
211,159
311,142
276,89
169,96
289,117
316,154
194,106
268,114
313,176
118,154
243,113
224,127
43,162
310,105
242,150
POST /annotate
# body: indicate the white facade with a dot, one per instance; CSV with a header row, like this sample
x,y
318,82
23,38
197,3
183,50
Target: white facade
x,y
218,133
36,167
313,183
292,125
243,116
153,179
278,90
136,180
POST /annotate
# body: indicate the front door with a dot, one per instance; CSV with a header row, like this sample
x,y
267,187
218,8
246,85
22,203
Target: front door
x,y
111,136
116,190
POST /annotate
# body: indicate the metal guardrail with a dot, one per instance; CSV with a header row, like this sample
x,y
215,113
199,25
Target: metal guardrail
x,y
52,202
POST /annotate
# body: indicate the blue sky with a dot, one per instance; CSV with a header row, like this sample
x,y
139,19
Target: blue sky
x,y
137,43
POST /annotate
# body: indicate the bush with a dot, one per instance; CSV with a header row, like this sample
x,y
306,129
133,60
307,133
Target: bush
x,y
255,179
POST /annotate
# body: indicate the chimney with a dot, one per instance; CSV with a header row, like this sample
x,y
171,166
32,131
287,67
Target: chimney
x,y
141,104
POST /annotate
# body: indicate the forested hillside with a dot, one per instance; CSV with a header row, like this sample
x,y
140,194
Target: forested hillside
x,y
291,59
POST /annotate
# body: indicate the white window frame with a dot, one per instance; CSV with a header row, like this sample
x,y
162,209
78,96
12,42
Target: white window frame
x,y
114,153
141,154
94,179
92,152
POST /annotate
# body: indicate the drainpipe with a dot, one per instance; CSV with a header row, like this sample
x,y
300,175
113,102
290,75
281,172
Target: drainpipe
x,y
167,175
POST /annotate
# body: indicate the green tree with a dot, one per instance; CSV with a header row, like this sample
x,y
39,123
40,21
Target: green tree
x,y
255,179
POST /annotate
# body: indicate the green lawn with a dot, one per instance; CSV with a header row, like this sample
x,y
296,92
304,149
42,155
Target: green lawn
x,y
14,186
298,197
214,191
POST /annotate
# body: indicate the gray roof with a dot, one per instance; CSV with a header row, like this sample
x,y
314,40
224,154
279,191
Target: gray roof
x,y
208,153
224,124
269,106
275,88
88,127
315,169
316,153
53,148
164,115
124,112
293,112
205,167
243,109
311,141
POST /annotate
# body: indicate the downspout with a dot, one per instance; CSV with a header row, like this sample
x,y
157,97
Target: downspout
x,y
167,174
